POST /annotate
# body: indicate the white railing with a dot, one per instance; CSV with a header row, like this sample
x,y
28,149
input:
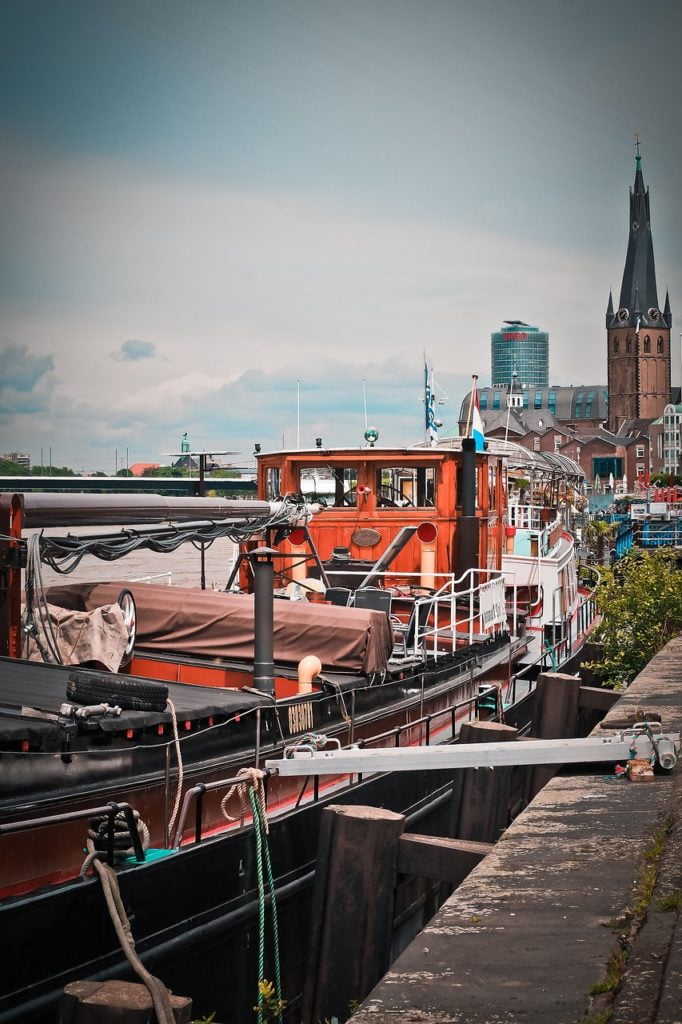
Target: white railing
x,y
465,609
156,576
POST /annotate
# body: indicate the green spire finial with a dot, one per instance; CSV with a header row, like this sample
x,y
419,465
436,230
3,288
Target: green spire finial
x,y
637,156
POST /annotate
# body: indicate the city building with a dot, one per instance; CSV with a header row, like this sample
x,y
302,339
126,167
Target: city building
x,y
628,430
638,332
671,434
20,458
522,350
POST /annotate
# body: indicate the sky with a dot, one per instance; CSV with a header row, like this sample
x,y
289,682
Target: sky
x,y
250,220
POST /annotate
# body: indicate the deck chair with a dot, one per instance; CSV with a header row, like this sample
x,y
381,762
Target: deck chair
x,y
405,632
338,595
373,598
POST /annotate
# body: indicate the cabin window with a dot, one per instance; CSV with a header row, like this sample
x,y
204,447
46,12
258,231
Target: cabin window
x,y
272,483
329,485
405,486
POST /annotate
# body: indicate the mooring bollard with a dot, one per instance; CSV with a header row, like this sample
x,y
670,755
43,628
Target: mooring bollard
x,y
352,913
114,1002
486,792
557,701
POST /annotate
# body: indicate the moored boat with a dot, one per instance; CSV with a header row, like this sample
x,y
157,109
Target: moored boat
x,y
414,636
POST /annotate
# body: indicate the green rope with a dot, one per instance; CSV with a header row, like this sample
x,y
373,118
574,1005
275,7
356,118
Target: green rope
x,y
261,902
263,853
549,648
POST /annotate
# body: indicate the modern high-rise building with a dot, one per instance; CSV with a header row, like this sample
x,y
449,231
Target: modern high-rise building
x,y
521,350
638,333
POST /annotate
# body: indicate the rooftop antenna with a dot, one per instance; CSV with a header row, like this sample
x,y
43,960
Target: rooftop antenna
x,y
298,414
509,405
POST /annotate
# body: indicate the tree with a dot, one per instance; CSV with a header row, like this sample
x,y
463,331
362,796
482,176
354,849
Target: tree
x,y
596,535
640,600
8,468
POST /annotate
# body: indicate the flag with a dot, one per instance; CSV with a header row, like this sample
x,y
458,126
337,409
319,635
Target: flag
x,y
429,400
477,426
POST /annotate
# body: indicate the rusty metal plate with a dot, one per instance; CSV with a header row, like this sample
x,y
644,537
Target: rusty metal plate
x,y
366,537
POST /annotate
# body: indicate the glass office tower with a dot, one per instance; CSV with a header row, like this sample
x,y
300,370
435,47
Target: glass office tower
x,y
521,349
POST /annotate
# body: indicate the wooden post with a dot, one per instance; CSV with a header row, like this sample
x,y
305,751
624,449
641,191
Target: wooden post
x,y
485,791
555,717
352,913
114,1002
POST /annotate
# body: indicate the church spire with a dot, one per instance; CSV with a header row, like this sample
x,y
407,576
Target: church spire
x,y
639,275
609,310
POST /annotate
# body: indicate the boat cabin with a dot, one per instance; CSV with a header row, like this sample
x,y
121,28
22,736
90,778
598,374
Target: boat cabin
x,y
421,512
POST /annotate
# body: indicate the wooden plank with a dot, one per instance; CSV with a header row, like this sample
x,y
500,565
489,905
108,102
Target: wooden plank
x,y
597,698
449,860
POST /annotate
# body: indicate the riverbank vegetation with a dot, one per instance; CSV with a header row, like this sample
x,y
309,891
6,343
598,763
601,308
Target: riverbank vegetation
x,y
640,600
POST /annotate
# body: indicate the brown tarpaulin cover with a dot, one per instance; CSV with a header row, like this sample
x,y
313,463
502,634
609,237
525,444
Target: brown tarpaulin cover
x,y
98,636
183,620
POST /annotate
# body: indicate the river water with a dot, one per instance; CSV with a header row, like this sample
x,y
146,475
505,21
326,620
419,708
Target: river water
x,y
182,567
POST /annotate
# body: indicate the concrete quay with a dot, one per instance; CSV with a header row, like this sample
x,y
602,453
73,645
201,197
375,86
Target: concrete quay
x,y
575,914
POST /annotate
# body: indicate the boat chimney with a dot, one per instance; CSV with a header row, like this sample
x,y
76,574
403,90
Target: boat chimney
x,y
263,642
466,553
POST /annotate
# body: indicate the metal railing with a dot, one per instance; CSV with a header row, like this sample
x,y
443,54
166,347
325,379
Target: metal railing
x,y
109,810
156,576
467,608
451,716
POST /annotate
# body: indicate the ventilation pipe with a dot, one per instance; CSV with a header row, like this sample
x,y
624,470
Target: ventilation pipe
x,y
308,669
299,550
426,535
466,554
263,640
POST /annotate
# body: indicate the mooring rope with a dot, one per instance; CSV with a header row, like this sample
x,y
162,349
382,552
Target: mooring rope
x,y
178,753
251,793
160,995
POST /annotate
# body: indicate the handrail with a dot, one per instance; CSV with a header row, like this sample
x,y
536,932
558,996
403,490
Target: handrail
x,y
485,600
198,792
110,810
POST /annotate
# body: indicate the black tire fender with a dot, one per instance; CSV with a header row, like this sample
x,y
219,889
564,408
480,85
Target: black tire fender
x,y
124,691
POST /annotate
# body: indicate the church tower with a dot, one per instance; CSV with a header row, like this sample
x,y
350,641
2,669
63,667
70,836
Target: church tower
x,y
638,333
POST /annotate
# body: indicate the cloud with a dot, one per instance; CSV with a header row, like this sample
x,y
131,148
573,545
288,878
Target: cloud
x,y
26,383
134,349
21,371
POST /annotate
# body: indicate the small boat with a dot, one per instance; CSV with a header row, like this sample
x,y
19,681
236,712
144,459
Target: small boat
x,y
369,603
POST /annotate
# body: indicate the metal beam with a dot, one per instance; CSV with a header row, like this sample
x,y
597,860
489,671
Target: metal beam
x,y
634,744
